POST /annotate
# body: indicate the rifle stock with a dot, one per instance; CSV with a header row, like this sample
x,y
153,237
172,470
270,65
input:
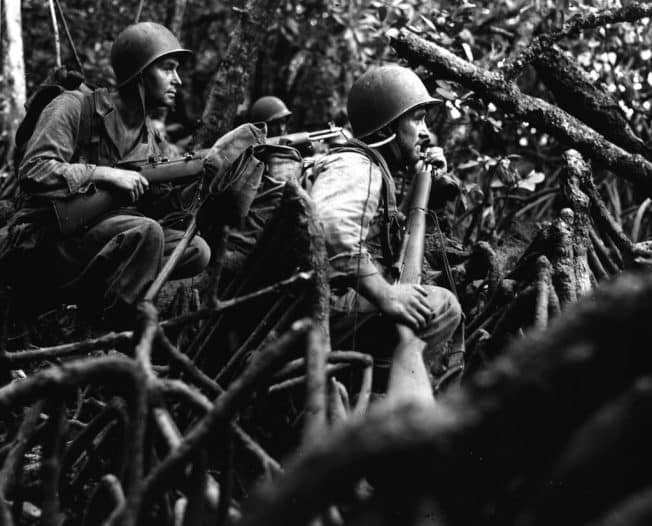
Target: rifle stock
x,y
82,209
410,261
408,375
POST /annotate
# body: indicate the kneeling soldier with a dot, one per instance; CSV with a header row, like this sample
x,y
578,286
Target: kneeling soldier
x,y
354,192
109,263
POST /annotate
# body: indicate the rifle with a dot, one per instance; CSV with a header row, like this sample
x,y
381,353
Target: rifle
x,y
82,209
302,139
408,374
409,263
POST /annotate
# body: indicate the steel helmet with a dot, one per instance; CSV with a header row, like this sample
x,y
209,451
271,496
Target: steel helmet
x,y
138,45
268,108
381,95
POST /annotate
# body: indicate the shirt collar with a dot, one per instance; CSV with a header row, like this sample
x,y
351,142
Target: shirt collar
x,y
114,127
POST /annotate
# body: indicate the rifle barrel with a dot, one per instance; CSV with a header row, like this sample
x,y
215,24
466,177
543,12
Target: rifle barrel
x,y
305,137
411,254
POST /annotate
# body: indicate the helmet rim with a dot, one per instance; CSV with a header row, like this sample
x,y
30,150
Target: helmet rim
x,y
269,108
182,52
138,46
383,94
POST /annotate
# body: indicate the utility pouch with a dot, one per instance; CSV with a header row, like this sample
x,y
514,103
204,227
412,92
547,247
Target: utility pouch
x,y
282,164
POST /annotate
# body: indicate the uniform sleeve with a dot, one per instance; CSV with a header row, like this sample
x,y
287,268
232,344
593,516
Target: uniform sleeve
x,y
347,194
46,168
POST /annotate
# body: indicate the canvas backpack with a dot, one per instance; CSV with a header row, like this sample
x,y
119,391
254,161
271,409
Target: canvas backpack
x,y
61,80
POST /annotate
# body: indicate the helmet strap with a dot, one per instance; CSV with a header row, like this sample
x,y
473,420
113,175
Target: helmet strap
x,y
382,142
142,94
386,140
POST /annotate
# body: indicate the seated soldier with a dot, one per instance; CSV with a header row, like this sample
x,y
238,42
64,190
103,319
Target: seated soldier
x,y
111,262
272,111
354,194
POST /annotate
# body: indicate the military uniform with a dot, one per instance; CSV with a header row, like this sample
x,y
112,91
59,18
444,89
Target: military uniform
x,y
351,196
123,250
110,262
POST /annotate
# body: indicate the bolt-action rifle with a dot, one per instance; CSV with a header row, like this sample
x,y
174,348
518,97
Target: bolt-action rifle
x,y
80,210
303,139
408,375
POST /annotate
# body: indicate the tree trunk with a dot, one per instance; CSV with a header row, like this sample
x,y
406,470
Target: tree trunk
x,y
574,171
13,74
232,76
176,20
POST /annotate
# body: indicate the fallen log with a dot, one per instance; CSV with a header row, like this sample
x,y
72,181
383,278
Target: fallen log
x,y
544,116
576,93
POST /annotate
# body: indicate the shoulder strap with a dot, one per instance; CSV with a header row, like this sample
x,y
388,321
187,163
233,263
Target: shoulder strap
x,y
389,188
391,221
88,130
44,94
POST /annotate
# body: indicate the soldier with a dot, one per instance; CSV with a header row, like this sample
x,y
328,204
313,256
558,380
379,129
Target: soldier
x,y
109,264
354,192
272,111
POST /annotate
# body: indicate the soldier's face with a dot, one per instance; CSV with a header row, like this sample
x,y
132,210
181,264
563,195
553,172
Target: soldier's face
x,y
411,132
161,82
277,127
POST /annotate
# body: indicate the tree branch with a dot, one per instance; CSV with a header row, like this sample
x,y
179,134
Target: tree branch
x,y
225,406
541,114
572,28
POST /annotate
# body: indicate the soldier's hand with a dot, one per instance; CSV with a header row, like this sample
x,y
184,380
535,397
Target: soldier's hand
x,y
434,156
407,304
129,181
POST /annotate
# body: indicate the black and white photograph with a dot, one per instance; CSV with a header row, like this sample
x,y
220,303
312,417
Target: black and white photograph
x,y
325,263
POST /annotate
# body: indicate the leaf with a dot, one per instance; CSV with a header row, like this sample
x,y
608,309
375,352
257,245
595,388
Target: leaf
x,y
429,23
495,123
467,165
446,90
467,51
446,94
531,180
505,174
488,219
472,191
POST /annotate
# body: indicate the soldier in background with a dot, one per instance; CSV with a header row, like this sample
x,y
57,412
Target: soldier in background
x,y
272,111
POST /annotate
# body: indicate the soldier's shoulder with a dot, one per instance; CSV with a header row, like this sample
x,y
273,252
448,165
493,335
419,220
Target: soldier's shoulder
x,y
343,157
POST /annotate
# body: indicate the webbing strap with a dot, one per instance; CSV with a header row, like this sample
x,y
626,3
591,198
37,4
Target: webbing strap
x,y
87,129
389,188
456,356
444,257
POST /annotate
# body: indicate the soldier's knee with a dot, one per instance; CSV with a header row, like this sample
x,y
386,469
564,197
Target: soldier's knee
x,y
445,307
194,259
151,231
198,255
203,251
